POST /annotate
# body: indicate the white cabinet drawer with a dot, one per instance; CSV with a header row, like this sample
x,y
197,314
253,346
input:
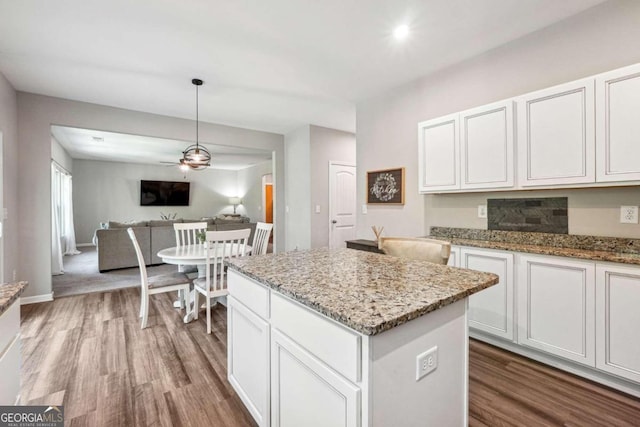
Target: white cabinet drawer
x,y
10,372
248,292
332,343
9,326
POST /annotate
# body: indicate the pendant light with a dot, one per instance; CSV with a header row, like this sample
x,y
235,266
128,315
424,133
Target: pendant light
x,y
194,156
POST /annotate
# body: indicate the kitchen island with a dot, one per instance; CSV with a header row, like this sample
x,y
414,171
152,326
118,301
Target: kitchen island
x,y
349,338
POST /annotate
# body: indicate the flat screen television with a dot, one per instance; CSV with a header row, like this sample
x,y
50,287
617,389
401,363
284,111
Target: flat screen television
x,y
164,193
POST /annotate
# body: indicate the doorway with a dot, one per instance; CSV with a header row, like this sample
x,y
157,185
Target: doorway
x,y
342,203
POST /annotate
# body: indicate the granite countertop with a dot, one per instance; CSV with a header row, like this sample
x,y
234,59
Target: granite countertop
x,y
365,291
595,248
9,292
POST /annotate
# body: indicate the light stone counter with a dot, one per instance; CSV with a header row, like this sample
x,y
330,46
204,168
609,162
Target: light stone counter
x,y
595,248
367,292
9,292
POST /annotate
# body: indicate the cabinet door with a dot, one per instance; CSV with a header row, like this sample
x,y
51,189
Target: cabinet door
x,y
439,161
617,125
556,135
618,320
248,359
305,392
556,306
491,310
486,146
454,257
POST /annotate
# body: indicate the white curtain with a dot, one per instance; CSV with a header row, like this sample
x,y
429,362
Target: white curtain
x,y
56,250
63,236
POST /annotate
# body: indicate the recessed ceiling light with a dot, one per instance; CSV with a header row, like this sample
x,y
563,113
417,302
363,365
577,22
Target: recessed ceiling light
x,y
401,32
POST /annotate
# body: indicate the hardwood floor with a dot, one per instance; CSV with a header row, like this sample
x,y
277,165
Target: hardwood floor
x,y
89,353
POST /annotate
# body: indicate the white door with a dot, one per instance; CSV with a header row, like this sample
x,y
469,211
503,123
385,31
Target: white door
x,y
248,359
342,204
618,320
307,393
556,135
486,146
617,125
556,306
438,154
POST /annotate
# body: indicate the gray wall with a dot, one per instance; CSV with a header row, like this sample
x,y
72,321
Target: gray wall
x,y
250,189
37,113
110,191
60,155
298,178
9,129
326,145
598,40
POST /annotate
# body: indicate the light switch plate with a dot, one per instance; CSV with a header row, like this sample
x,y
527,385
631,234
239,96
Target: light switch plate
x,y
364,209
629,214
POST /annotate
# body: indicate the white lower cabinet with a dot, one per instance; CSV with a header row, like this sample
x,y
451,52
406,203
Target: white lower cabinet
x,y
491,310
305,392
556,298
248,359
454,257
10,355
618,320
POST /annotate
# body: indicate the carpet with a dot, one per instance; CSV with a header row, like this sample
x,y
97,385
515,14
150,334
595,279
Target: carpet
x,y
82,276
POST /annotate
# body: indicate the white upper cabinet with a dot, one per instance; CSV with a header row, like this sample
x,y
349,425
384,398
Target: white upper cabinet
x,y
486,146
556,135
618,125
439,161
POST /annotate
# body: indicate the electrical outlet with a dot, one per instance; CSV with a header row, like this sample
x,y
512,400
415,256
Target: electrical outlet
x,y
426,362
364,209
482,211
629,214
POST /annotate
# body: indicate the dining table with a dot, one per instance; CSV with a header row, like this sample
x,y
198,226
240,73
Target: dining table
x,y
194,254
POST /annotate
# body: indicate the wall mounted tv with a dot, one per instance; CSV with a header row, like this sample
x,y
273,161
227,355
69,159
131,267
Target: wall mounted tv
x,y
164,193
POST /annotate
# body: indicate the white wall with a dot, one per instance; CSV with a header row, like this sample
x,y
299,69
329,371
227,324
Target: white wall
x,y
298,178
250,190
36,115
326,145
60,155
110,191
600,39
9,129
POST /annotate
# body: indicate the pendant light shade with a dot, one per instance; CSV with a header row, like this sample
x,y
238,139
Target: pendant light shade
x,y
195,156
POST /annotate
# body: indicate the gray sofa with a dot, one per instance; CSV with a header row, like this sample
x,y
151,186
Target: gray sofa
x,y
115,249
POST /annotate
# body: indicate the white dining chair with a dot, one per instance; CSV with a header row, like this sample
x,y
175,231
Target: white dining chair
x,y
156,284
435,251
187,234
221,245
261,238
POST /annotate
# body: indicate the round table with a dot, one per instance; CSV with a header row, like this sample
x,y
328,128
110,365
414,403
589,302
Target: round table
x,y
190,255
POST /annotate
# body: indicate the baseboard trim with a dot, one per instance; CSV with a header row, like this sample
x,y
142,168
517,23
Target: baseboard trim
x,y
84,245
36,299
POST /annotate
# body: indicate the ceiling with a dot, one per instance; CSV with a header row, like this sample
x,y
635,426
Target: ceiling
x,y
267,65
118,147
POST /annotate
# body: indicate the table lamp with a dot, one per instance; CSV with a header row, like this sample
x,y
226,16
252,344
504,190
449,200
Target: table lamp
x,y
235,201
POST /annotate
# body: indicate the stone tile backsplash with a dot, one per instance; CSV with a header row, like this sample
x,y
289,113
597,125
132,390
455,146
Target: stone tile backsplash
x,y
540,215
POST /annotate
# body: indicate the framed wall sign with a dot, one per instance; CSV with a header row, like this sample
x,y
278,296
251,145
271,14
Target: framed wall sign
x,y
386,187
